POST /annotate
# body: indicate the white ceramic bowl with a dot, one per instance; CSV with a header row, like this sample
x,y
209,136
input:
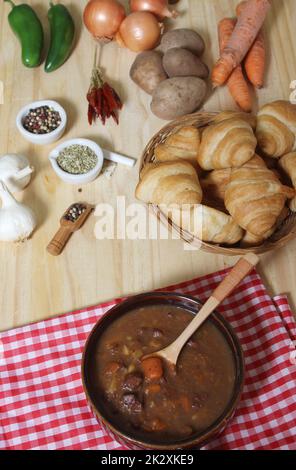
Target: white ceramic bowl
x,y
42,139
85,177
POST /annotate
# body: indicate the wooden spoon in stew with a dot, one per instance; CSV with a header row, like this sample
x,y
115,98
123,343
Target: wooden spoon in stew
x,y
151,363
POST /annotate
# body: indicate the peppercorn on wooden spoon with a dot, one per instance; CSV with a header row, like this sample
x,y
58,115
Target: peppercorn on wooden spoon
x,y
71,221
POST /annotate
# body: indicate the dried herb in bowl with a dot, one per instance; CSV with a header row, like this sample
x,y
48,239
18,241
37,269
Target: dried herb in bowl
x,y
77,159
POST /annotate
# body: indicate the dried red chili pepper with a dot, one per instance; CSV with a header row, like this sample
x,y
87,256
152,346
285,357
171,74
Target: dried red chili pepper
x,y
90,115
108,95
115,117
103,101
92,97
98,102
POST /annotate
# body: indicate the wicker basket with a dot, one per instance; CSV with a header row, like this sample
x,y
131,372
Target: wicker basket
x,y
284,233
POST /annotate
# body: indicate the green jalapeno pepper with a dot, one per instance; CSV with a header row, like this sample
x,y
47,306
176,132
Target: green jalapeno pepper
x,y
27,27
62,31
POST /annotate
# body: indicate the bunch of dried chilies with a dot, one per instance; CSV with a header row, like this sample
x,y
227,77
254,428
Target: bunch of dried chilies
x,y
103,101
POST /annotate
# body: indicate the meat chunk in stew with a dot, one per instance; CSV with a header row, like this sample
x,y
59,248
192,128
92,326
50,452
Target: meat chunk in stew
x,y
131,403
132,382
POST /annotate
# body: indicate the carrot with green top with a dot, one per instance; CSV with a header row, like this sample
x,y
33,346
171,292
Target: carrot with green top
x,y
245,32
236,83
256,57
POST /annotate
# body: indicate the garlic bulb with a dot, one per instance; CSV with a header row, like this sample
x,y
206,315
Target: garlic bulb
x,y
15,172
17,221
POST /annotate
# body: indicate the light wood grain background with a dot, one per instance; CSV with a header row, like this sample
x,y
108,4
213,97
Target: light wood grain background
x,y
34,285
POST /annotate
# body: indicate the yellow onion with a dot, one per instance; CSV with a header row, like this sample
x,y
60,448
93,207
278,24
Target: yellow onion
x,y
139,31
103,18
157,7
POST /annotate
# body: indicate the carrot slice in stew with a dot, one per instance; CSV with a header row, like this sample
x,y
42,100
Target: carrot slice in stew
x,y
112,367
152,388
152,367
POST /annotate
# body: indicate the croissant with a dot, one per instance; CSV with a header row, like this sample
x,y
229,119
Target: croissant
x,y
229,143
249,118
169,183
206,223
276,128
250,240
184,145
255,197
288,164
214,186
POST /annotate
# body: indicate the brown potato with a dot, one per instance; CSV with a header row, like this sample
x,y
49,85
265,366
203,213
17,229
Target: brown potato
x,y
178,62
185,38
178,96
147,71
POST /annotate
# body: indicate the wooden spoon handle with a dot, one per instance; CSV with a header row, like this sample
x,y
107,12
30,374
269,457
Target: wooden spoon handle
x,y
240,270
57,244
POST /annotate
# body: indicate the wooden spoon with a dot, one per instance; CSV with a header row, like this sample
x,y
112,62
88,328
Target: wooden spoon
x,y
67,228
241,269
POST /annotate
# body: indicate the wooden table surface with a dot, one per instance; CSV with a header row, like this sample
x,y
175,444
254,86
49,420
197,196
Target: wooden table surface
x,y
35,285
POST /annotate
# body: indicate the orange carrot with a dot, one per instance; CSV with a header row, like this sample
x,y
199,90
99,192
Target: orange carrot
x,y
152,367
256,57
245,32
152,388
237,84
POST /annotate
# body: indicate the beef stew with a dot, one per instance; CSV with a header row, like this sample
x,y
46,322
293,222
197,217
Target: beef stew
x,y
163,404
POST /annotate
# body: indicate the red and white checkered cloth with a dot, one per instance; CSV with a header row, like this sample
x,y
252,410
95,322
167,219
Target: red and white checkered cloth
x,y
42,404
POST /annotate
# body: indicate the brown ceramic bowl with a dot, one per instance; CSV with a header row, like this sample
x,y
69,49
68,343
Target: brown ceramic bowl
x,y
192,305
